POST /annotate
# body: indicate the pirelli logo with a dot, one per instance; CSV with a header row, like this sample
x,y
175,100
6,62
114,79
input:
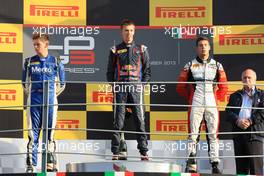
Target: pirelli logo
x,y
102,97
54,11
173,126
8,95
180,12
8,38
67,124
241,39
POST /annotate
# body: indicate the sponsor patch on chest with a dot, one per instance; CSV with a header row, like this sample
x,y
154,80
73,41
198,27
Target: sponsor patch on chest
x,y
121,51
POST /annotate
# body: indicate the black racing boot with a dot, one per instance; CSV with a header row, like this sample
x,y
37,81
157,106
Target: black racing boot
x,y
122,148
191,165
215,168
144,156
115,157
51,163
30,169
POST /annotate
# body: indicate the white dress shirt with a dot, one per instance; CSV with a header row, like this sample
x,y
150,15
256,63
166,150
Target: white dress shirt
x,y
245,111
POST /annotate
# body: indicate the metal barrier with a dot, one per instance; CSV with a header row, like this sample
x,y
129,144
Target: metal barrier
x,y
45,117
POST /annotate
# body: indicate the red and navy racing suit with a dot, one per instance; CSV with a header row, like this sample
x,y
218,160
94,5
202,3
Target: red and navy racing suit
x,y
205,93
41,69
129,63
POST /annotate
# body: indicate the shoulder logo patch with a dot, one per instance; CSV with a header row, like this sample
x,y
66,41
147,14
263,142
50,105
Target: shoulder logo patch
x,y
121,51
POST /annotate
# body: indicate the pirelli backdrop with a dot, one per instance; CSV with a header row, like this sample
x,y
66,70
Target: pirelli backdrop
x,y
82,31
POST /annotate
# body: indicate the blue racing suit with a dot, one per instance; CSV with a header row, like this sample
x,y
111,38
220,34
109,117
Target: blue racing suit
x,y
35,71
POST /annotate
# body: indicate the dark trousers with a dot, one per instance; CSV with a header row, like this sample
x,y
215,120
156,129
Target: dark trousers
x,y
244,146
139,119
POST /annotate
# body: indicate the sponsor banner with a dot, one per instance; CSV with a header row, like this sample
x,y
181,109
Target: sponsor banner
x,y
232,87
65,120
11,38
99,120
108,13
234,64
104,120
11,94
101,94
11,66
170,122
228,12
74,93
240,40
11,120
11,11
167,96
75,45
184,12
69,12
71,120
84,50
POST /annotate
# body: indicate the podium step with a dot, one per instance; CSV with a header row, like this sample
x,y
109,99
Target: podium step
x,y
125,166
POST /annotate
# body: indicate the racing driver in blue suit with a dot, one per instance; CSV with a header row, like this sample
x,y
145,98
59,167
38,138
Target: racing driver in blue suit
x,y
37,69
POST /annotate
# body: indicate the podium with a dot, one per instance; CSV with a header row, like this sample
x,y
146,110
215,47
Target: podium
x,y
124,166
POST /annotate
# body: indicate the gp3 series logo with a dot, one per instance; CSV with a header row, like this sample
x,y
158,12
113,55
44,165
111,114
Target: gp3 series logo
x,y
77,51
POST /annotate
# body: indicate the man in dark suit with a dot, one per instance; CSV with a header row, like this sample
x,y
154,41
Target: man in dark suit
x,y
248,119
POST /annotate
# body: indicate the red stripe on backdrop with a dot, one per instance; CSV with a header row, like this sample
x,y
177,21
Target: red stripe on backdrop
x,y
81,62
79,52
81,57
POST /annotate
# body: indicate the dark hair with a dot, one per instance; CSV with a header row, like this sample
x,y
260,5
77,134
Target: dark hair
x,y
126,22
44,37
202,38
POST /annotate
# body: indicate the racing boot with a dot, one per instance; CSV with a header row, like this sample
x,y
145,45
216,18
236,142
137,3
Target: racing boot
x,y
215,168
122,148
191,165
51,163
